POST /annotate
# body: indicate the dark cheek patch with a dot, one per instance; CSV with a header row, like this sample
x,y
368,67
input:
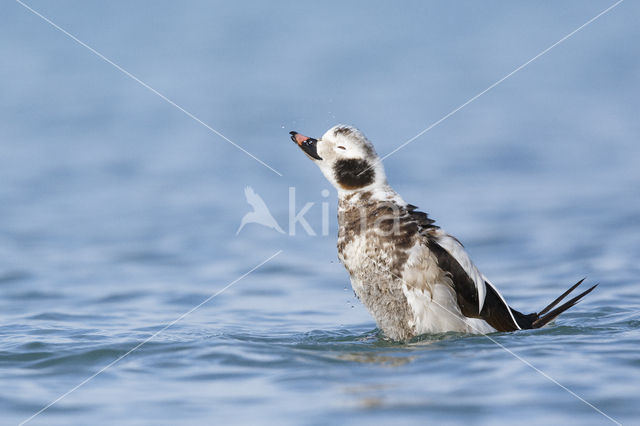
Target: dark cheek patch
x,y
353,173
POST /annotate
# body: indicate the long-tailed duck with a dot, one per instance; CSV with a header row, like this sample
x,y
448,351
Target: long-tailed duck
x,y
413,277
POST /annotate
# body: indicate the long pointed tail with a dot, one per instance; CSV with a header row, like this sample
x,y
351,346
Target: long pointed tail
x,y
546,318
548,314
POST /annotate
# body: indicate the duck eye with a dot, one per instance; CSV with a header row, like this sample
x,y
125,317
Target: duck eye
x,y
341,147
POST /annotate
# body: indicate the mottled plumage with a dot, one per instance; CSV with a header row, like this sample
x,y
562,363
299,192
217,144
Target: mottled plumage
x,y
412,277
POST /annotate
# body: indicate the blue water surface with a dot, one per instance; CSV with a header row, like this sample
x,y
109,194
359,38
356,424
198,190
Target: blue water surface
x,y
119,211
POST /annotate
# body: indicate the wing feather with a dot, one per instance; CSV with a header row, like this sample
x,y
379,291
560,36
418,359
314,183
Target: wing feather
x,y
477,297
457,251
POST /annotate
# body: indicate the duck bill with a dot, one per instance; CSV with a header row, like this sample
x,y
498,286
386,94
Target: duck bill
x,y
307,144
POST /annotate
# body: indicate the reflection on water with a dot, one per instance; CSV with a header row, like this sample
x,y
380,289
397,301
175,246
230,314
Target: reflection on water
x,y
370,358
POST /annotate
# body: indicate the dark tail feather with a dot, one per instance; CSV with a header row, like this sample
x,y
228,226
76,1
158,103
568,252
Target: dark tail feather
x,y
543,320
562,296
539,319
